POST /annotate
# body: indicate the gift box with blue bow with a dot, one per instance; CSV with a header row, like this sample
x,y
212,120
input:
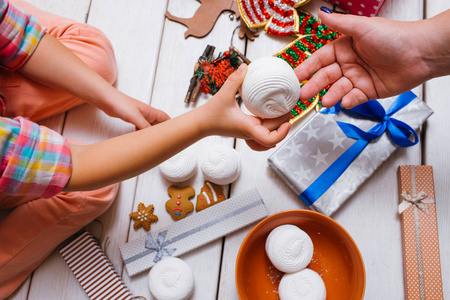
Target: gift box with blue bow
x,y
327,159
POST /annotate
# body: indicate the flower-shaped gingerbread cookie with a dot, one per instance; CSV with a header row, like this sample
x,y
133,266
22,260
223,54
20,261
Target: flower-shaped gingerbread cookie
x,y
144,216
179,204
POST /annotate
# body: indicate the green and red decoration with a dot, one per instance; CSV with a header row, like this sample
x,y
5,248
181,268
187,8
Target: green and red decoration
x,y
213,73
313,36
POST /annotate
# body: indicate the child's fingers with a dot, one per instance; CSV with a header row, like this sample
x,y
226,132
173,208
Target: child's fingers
x,y
272,124
234,81
140,122
268,138
157,116
255,146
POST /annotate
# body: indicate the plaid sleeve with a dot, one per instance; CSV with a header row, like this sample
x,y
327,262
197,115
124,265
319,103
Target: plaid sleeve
x,y
20,34
34,159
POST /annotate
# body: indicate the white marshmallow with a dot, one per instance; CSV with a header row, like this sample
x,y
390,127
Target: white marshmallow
x,y
270,88
221,164
303,285
170,279
289,248
181,166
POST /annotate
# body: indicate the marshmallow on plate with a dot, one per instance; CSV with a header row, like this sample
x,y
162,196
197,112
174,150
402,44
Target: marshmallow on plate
x,y
303,285
289,248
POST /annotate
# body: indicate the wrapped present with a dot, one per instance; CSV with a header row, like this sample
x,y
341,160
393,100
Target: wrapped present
x,y
338,149
193,231
419,233
368,8
93,270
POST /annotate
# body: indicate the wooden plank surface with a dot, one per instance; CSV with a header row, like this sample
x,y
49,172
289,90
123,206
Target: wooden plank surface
x,y
155,63
437,143
175,67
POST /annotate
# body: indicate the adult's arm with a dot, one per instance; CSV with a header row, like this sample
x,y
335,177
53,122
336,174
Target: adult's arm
x,y
376,58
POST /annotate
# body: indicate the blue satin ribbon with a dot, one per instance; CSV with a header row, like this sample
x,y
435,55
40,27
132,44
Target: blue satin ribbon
x,y
398,131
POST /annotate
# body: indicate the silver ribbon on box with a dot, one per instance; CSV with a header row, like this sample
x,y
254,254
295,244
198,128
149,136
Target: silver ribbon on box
x,y
321,142
193,231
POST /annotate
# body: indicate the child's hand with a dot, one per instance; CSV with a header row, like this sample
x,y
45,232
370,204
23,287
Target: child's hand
x,y
131,110
139,151
375,58
228,119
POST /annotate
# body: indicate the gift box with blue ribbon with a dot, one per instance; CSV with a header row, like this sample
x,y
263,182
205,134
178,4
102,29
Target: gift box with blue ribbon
x,y
327,159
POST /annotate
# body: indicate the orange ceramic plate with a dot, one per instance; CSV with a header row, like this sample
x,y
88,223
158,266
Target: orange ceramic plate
x,y
336,258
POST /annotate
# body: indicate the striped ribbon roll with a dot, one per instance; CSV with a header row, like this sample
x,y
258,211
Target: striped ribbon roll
x,y
93,269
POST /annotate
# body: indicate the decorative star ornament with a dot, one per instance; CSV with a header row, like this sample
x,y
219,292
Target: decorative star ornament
x,y
144,216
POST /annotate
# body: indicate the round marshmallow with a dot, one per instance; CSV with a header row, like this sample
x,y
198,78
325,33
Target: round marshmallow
x,y
171,278
181,166
303,285
270,88
289,248
221,164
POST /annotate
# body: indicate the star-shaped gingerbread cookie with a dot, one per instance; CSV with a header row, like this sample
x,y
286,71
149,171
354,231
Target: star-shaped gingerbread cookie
x,y
143,217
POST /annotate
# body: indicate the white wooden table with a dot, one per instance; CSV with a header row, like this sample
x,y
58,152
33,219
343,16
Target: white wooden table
x,y
155,64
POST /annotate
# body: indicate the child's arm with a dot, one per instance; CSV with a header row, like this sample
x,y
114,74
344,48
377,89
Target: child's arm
x,y
126,156
376,58
54,65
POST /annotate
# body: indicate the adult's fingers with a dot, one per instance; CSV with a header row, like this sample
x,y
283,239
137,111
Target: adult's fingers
x,y
354,98
346,24
321,58
337,91
320,80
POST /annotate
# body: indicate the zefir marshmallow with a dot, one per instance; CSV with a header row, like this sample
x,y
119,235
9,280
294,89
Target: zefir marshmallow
x,y
270,88
221,164
303,285
181,166
171,278
289,248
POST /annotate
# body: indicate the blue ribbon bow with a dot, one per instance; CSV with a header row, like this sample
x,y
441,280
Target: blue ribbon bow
x,y
398,131
158,246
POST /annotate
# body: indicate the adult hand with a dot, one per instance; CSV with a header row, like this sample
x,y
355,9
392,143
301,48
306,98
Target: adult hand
x,y
376,58
229,120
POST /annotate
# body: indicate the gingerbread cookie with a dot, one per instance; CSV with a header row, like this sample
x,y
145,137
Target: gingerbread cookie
x,y
210,194
179,204
144,216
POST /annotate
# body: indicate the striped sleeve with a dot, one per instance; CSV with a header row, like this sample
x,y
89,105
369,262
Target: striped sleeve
x,y
20,34
35,160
